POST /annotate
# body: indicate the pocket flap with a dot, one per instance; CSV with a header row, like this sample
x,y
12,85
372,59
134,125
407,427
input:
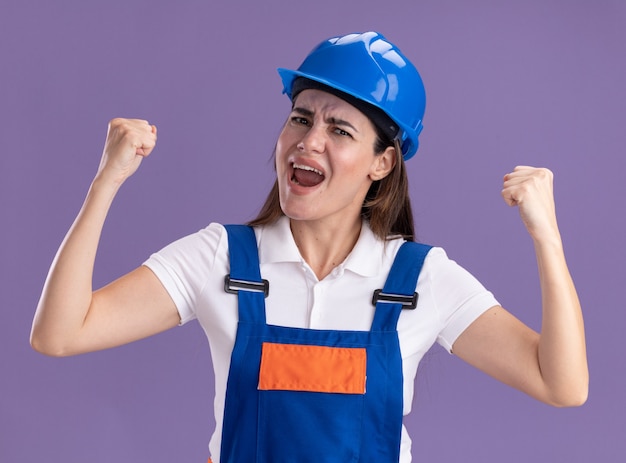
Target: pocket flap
x,y
298,367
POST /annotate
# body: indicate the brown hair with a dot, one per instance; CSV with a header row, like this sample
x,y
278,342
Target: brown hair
x,y
387,205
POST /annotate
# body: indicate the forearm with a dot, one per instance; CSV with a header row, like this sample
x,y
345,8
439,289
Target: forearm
x,y
561,351
67,293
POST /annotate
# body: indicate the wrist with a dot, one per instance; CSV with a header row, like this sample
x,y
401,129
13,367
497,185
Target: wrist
x,y
546,242
106,183
103,190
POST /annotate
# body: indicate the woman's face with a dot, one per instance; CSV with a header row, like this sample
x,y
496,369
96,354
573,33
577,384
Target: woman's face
x,y
325,160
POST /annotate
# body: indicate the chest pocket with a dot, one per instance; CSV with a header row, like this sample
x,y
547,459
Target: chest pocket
x,y
310,368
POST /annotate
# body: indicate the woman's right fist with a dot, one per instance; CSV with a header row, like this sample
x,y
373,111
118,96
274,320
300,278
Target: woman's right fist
x,y
128,142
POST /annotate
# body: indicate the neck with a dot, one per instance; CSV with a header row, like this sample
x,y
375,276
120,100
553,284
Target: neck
x,y
323,245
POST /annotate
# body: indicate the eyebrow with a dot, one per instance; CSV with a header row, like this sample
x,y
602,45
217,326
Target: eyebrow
x,y
331,120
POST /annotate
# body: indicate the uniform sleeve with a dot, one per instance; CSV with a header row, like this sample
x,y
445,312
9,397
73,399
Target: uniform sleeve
x,y
459,297
185,266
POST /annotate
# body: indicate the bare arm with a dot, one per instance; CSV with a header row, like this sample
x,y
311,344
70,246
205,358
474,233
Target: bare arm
x,y
71,318
550,366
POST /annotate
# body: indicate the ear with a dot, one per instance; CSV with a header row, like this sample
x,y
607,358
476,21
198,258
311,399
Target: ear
x,y
383,164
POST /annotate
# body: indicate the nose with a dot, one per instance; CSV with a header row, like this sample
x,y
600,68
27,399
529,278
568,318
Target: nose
x,y
314,141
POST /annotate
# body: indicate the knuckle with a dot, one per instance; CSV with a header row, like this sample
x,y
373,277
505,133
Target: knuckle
x,y
545,174
116,122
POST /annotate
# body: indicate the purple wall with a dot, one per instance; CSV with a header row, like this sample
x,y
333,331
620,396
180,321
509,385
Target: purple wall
x,y
538,82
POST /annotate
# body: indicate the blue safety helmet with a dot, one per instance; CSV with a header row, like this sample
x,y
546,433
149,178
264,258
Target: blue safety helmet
x,y
370,68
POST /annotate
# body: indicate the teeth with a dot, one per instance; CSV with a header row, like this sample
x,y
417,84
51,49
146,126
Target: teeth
x,y
312,169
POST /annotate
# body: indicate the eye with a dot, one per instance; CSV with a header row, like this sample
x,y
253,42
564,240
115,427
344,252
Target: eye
x,y
342,132
299,120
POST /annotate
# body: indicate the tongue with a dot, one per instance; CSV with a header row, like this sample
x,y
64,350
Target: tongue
x,y
307,177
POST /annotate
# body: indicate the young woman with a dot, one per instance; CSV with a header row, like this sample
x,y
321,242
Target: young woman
x,y
312,314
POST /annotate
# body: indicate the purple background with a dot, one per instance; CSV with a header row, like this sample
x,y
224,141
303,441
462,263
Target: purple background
x,y
530,82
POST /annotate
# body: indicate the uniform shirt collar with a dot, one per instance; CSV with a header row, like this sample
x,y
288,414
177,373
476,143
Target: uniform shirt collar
x,y
276,244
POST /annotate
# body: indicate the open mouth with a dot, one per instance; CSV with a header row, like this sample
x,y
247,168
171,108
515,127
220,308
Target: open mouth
x,y
306,176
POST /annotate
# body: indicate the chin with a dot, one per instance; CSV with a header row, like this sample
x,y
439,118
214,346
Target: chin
x,y
296,213
296,208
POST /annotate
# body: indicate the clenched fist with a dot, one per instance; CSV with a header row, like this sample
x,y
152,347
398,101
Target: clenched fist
x,y
530,188
128,142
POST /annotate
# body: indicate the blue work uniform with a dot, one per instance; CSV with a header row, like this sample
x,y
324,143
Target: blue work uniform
x,y
304,395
